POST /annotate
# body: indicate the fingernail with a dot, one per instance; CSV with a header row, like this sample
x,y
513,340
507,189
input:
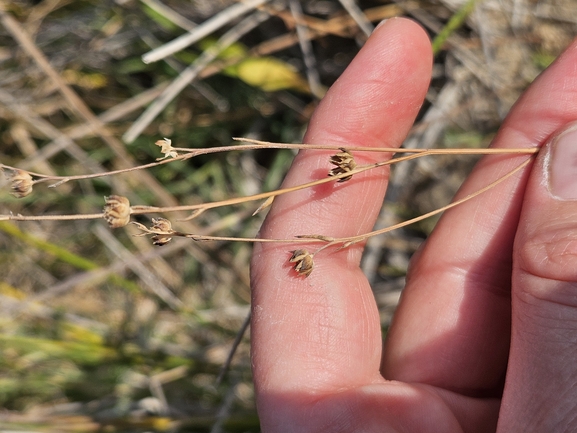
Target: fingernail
x,y
563,165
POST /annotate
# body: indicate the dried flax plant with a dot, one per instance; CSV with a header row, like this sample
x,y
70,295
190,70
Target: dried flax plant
x,y
161,306
118,210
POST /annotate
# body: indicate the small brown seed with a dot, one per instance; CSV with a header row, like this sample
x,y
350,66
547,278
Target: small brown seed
x,y
117,211
21,183
303,260
344,162
161,225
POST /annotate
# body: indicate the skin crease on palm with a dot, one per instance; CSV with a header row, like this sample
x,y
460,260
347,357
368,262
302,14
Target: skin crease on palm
x,y
485,336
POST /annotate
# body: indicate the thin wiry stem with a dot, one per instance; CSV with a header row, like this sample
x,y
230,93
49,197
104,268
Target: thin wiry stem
x,y
344,242
19,217
459,151
62,179
139,210
357,14
199,208
187,153
135,210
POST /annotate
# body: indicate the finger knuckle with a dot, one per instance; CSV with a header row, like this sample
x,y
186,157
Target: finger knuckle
x,y
549,253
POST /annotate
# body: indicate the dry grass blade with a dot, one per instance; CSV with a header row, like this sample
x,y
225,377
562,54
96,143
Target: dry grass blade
x,y
309,58
358,15
202,30
170,15
192,72
148,278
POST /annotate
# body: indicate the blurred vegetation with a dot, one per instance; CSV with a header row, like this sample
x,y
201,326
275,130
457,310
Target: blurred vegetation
x,y
99,331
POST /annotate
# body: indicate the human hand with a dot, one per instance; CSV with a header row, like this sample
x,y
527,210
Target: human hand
x,y
485,335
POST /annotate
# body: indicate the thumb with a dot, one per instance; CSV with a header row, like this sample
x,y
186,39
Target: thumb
x,y
541,385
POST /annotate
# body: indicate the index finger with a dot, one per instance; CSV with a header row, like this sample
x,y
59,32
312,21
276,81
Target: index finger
x,y
322,333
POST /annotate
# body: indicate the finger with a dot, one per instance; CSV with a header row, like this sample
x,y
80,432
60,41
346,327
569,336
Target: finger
x,y
322,333
540,392
452,327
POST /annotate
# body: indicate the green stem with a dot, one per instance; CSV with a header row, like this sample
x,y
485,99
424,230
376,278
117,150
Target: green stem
x,y
456,21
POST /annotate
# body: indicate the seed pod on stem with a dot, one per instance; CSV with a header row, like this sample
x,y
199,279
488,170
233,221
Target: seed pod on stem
x,y
344,162
21,183
303,260
117,211
161,225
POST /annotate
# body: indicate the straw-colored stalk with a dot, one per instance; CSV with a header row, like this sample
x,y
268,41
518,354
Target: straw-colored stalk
x,y
117,209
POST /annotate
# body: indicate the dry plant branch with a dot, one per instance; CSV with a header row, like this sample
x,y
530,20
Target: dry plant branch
x,y
22,180
165,231
117,209
187,153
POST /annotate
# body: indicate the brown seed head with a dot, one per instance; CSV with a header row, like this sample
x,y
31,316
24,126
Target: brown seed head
x,y
21,183
161,225
303,260
344,162
117,211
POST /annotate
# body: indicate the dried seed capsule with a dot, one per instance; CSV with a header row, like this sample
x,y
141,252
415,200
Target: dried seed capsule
x,y
344,162
161,225
303,260
21,183
117,211
166,148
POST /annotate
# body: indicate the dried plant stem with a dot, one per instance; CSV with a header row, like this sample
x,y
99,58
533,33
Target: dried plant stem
x,y
309,58
345,242
139,210
187,153
237,340
415,153
63,179
460,151
264,195
19,217
357,14
199,208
